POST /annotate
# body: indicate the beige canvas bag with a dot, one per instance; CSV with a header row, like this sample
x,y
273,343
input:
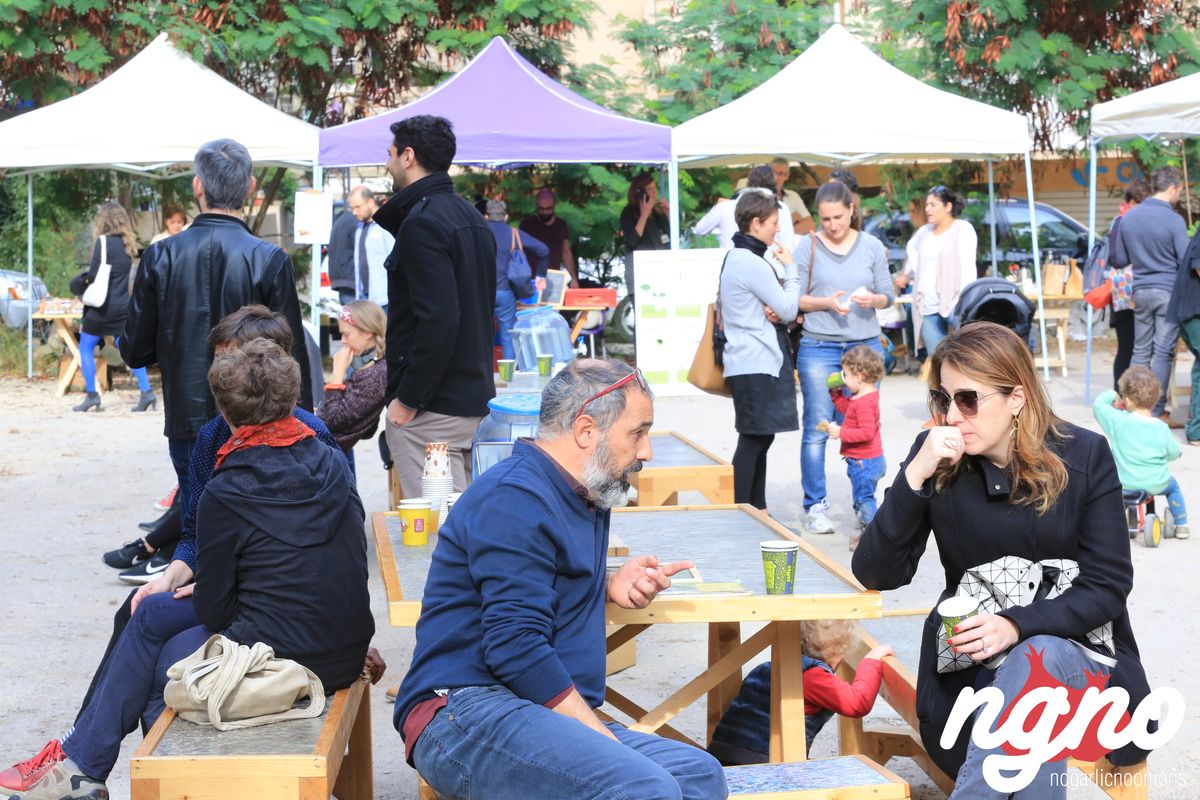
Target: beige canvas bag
x,y
230,686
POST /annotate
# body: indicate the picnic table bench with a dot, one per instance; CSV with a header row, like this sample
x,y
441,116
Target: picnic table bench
x,y
305,759
899,689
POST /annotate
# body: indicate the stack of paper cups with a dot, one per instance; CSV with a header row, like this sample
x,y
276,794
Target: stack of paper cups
x,y
437,481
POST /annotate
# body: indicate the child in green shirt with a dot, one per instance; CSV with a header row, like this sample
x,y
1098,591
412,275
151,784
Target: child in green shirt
x,y
1141,444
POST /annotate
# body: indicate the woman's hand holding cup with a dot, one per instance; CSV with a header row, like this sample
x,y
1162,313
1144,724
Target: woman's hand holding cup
x,y
944,442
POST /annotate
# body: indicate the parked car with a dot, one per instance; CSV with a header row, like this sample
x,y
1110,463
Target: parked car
x,y
1059,234
15,301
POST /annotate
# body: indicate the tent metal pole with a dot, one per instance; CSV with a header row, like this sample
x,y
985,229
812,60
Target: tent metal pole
x,y
29,279
318,181
992,211
1037,265
1087,365
673,179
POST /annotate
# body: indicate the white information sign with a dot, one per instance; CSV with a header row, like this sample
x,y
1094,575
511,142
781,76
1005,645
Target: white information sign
x,y
313,217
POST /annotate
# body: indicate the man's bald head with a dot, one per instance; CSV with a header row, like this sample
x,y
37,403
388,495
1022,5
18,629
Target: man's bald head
x,y
361,201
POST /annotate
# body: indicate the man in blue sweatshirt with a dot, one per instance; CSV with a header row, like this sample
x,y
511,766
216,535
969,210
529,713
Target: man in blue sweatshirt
x,y
509,659
1153,238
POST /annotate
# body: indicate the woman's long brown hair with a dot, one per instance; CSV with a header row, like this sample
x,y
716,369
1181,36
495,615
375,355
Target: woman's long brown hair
x,y
994,355
113,220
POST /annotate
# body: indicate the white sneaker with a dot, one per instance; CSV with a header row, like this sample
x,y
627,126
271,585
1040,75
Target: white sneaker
x,y
818,519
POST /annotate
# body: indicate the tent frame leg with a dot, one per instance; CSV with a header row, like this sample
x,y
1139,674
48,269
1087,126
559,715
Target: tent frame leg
x,y
1037,265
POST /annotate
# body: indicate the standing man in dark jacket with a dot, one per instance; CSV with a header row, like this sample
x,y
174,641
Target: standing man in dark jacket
x,y
1184,311
441,296
189,282
1153,238
341,255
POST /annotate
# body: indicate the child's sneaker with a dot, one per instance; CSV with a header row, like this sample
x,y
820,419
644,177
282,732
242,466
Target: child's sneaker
x,y
818,518
50,775
1182,532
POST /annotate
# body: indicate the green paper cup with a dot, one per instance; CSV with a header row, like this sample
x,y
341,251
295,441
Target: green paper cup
x,y
835,381
779,565
545,363
506,367
954,610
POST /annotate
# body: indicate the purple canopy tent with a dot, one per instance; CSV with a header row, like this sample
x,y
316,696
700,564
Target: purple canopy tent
x,y
505,111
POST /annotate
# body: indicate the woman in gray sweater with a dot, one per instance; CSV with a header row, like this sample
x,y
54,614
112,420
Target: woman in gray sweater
x,y
847,277
757,358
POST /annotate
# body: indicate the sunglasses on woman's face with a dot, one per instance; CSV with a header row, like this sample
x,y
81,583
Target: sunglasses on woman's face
x,y
967,401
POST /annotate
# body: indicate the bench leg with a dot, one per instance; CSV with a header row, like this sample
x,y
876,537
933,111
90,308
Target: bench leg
x,y
355,779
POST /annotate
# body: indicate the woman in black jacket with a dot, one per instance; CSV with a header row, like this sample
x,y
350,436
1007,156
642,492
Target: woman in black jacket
x,y
113,228
282,560
1002,476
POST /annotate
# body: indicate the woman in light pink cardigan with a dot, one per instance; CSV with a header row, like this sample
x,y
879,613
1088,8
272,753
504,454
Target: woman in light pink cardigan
x,y
941,259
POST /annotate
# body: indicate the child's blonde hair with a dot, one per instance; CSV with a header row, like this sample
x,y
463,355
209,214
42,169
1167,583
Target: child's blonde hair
x,y
827,639
1139,386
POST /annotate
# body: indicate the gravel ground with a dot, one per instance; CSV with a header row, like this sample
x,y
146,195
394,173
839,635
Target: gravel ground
x,y
74,485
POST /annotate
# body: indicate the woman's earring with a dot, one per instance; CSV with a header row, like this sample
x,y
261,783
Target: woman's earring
x,y
1013,430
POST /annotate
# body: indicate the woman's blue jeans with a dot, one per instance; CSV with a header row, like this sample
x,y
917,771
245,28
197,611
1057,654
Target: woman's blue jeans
x,y
934,328
163,630
506,317
815,361
87,362
487,742
1066,662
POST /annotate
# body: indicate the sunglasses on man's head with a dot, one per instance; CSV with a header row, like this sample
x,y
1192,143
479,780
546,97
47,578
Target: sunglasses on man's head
x,y
967,401
636,375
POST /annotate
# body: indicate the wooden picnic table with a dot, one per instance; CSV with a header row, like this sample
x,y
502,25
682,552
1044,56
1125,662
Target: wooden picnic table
x,y
63,326
723,540
681,465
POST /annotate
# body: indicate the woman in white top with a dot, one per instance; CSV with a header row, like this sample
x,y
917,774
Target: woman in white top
x,y
941,259
720,218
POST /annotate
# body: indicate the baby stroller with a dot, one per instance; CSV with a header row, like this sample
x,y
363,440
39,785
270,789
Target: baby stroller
x,y
995,300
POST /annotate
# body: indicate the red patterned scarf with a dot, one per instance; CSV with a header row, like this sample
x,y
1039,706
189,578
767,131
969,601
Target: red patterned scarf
x,y
281,433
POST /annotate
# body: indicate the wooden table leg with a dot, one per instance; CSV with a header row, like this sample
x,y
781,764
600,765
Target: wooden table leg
x,y
723,637
63,329
580,318
787,695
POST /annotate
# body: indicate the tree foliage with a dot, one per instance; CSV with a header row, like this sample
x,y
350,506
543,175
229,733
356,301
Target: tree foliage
x,y
1049,59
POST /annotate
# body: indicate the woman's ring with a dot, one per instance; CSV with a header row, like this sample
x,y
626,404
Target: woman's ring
x,y
984,643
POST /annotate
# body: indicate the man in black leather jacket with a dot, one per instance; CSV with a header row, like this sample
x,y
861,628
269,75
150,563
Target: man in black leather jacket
x,y
441,297
190,281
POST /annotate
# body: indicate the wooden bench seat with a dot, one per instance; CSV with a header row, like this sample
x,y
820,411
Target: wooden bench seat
x,y
307,759
846,778
899,689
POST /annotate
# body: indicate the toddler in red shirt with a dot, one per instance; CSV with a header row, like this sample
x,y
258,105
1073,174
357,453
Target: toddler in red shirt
x,y
862,446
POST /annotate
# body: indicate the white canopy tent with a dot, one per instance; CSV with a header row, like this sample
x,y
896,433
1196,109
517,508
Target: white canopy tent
x,y
1170,110
803,115
149,118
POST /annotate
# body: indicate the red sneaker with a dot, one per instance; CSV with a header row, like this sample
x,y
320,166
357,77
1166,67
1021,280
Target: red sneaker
x,y
164,503
50,775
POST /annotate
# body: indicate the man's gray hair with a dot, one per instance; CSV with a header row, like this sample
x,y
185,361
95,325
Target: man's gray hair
x,y
567,391
1164,178
225,168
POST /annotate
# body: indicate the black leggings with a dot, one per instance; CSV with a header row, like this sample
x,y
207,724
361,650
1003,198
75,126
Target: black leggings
x,y
169,528
750,469
1122,323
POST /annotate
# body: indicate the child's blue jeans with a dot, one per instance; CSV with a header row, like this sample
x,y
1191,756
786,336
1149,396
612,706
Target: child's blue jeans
x,y
1175,502
864,474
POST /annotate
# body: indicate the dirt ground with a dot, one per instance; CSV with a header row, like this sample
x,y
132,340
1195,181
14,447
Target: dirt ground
x,y
74,485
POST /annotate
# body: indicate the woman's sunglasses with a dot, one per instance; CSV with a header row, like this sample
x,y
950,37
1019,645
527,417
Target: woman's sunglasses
x,y
967,401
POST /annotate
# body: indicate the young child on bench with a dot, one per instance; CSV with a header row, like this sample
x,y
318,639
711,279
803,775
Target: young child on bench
x,y
744,733
1142,445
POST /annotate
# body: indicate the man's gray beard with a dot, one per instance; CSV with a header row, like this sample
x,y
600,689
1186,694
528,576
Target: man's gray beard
x,y
608,488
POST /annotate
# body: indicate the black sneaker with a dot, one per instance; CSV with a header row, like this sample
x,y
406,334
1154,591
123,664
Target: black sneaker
x,y
149,570
127,555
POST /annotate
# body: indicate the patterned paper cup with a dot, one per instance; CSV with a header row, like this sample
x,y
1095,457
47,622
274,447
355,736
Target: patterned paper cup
x,y
779,565
955,609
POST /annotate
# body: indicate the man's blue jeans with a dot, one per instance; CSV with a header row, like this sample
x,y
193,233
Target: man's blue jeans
x,y
934,328
506,317
815,361
865,474
1066,662
487,742
162,631
1154,338
181,454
